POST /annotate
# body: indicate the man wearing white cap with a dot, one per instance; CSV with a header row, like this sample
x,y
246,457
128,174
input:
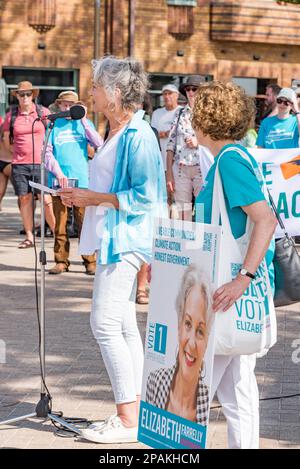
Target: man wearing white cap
x,y
162,118
282,130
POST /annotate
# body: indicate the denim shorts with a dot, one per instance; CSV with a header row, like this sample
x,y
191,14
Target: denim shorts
x,y
21,175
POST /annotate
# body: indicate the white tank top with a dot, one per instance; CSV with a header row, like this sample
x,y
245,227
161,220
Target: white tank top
x,y
101,175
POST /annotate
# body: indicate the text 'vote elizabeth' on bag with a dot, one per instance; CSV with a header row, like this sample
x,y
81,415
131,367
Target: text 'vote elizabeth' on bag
x,y
249,326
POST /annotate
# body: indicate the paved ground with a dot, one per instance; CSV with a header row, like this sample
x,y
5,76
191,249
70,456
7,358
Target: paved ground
x,y
75,371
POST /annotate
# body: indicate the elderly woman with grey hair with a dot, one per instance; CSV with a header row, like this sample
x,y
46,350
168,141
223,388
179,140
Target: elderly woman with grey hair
x,y
180,389
126,191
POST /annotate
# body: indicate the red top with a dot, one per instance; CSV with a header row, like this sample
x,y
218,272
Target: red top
x,y
22,147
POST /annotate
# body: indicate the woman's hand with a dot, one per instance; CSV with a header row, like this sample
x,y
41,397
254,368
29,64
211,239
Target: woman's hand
x,y
191,142
170,182
228,293
164,133
63,182
74,196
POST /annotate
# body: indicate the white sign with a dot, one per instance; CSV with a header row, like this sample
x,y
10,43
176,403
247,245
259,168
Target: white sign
x,y
281,169
179,336
43,188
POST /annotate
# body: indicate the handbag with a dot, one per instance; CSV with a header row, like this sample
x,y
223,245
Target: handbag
x,y
249,326
286,265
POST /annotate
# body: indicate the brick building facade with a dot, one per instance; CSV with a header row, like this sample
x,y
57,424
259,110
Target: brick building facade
x,y
259,40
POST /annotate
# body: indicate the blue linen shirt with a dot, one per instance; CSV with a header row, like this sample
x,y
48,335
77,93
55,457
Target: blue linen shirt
x,y
139,184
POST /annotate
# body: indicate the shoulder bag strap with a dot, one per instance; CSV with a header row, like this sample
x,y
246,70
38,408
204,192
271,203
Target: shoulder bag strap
x,y
177,123
14,113
218,202
39,111
279,219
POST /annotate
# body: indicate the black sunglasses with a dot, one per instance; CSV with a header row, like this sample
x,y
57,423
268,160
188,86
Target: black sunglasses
x,y
191,88
283,101
24,93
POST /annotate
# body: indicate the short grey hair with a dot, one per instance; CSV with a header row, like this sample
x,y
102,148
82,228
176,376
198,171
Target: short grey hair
x,y
193,276
127,75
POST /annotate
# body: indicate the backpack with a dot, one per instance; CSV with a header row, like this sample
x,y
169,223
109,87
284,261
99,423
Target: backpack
x,y
14,113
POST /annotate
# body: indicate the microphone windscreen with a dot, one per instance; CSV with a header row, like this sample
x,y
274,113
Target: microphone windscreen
x,y
77,112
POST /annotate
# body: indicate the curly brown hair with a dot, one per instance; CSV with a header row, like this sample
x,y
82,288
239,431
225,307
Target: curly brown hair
x,y
222,111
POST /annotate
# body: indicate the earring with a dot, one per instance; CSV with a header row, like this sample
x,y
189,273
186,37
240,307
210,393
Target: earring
x,y
111,107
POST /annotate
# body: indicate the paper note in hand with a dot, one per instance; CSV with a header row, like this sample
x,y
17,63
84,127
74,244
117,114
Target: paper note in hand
x,y
36,185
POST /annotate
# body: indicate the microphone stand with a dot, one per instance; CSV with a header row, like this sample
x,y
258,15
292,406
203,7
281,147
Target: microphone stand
x,y
44,406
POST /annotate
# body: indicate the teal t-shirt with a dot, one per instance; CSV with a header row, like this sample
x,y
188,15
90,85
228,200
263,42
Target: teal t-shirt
x,y
69,144
278,133
242,185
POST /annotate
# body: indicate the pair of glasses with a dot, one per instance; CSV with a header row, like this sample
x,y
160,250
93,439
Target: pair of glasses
x,y
191,88
283,101
22,94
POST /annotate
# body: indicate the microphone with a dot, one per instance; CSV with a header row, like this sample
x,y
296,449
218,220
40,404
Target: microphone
x,y
76,112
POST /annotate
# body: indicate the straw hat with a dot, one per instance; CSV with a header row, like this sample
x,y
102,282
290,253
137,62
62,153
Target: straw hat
x,y
25,86
67,96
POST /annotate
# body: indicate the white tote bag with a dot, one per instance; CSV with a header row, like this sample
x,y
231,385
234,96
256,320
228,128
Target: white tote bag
x,y
249,326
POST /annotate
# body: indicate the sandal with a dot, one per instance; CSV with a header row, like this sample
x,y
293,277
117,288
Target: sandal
x,y
26,244
142,297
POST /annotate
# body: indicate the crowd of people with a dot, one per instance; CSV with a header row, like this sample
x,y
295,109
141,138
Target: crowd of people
x,y
186,163
140,171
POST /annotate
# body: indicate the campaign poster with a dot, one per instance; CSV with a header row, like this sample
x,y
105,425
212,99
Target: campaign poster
x,y
179,345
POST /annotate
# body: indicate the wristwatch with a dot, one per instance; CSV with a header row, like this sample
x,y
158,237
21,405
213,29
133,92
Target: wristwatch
x,y
245,272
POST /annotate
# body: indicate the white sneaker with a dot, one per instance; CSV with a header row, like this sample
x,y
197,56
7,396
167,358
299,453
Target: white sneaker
x,y
98,424
112,431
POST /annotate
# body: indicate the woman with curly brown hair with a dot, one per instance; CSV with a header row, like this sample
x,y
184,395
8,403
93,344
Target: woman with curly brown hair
x,y
221,116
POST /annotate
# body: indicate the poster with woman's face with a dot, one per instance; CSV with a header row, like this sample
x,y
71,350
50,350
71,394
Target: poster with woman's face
x,y
179,344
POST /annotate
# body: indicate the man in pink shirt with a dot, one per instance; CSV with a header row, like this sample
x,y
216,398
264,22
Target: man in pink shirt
x,y
26,160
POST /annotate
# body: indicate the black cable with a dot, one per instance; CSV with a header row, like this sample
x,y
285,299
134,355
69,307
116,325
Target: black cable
x,y
66,432
279,397
288,396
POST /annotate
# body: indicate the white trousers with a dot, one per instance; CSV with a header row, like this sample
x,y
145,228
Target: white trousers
x,y
235,383
114,325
